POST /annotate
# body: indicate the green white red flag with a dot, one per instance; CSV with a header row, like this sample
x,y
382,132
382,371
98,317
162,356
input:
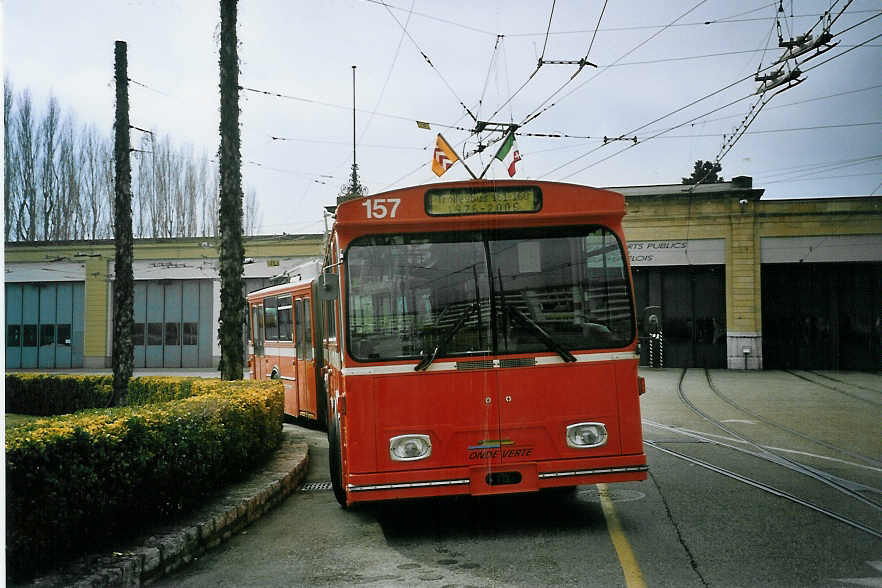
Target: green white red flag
x,y
509,154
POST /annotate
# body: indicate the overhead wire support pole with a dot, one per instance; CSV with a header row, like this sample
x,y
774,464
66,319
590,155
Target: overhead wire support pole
x,y
353,117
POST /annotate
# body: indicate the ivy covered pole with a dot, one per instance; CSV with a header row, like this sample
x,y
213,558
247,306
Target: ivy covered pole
x,y
122,355
232,252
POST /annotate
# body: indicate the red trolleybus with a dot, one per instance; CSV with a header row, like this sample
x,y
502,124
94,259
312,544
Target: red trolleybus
x,y
284,343
480,338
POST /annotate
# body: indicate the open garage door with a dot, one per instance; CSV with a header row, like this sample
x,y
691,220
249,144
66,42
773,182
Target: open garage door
x,y
692,303
822,316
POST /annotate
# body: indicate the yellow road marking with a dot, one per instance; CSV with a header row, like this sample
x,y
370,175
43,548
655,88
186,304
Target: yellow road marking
x,y
633,575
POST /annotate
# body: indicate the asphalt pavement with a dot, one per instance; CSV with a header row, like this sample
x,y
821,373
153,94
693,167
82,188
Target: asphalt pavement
x,y
756,479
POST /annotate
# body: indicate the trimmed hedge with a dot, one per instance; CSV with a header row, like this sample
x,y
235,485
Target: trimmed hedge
x,y
77,479
47,395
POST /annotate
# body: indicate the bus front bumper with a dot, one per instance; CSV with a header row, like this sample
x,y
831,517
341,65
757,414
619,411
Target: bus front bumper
x,y
496,479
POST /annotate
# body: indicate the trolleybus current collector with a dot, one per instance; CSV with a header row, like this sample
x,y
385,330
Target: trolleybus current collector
x,y
463,338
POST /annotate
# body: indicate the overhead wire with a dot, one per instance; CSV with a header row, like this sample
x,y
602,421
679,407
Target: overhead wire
x,y
499,39
630,132
815,178
641,141
547,29
539,110
388,75
817,165
597,26
434,18
785,130
730,141
349,108
432,65
817,98
728,20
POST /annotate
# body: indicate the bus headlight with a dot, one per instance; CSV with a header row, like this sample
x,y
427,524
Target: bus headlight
x,y
586,435
410,447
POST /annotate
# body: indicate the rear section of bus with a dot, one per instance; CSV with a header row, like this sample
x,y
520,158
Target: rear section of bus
x,y
488,352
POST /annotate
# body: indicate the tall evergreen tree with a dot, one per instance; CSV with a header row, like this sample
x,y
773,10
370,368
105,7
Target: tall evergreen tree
x,y
123,286
232,311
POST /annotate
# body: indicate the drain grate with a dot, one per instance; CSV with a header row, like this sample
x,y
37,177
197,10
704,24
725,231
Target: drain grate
x,y
315,486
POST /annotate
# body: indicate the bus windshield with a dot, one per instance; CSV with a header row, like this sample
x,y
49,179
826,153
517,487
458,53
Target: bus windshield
x,y
427,295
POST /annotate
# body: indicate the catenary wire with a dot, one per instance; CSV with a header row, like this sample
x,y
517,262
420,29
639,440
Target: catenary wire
x,y
539,110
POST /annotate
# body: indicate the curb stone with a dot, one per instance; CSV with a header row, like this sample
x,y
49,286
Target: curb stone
x,y
171,546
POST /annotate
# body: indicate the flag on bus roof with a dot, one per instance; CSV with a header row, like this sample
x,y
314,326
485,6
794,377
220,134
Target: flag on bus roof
x,y
509,154
423,125
444,156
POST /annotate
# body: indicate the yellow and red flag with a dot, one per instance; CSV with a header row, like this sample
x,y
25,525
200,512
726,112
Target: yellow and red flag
x,y
444,156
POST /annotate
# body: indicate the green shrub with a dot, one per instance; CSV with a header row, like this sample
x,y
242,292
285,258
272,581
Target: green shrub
x,y
79,478
45,395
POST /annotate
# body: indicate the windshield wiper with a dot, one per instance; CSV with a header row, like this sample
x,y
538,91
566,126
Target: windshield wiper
x,y
540,333
427,360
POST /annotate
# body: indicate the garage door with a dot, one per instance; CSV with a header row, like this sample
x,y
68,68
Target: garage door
x,y
44,325
692,303
822,316
172,323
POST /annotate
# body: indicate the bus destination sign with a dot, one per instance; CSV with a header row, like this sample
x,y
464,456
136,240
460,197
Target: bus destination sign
x,y
462,201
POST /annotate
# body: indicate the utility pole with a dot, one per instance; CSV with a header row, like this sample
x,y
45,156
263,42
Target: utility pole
x,y
122,355
353,117
354,189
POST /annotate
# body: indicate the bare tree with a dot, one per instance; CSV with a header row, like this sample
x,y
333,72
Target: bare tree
x,y
28,146
94,157
253,218
11,186
67,206
59,180
48,129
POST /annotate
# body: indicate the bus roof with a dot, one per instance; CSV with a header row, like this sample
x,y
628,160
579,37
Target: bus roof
x,y
479,202
300,275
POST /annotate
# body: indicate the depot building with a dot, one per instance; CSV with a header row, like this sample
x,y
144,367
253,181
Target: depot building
x,y
723,279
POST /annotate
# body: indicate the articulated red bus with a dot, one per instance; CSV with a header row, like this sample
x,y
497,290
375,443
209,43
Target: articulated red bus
x,y
284,343
476,338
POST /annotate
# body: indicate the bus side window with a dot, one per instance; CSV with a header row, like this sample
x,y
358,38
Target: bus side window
x,y
271,323
285,332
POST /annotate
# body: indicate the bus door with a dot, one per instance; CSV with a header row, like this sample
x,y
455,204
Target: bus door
x,y
305,371
257,339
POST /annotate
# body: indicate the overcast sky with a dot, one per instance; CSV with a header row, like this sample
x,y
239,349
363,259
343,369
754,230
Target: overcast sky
x,y
820,138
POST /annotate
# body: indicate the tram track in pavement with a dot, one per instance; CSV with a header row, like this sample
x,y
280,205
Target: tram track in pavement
x,y
836,388
841,485
852,384
755,415
766,488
